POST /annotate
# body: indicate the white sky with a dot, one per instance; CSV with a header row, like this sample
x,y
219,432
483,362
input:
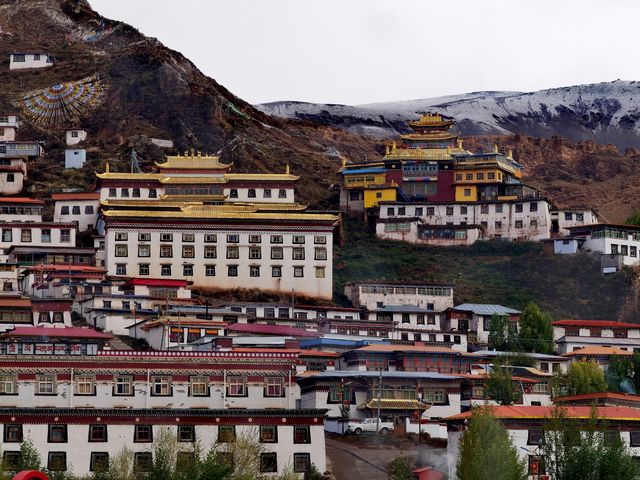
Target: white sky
x,y
362,51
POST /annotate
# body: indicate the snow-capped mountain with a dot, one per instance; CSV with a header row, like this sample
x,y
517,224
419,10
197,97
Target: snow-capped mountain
x,y
606,112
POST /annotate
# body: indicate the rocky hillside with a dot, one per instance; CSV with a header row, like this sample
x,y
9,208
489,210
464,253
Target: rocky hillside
x,y
604,113
153,92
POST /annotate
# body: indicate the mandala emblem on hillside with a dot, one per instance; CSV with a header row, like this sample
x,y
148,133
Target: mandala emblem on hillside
x,y
63,102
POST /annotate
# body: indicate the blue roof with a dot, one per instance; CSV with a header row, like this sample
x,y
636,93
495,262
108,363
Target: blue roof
x,y
486,309
364,170
315,342
376,374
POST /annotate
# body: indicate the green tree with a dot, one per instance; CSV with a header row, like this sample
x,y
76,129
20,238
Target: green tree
x,y
500,387
487,452
634,218
29,456
575,450
401,468
619,374
500,333
313,473
580,378
536,331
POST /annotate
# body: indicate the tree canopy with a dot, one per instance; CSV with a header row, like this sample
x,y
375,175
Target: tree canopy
x,y
580,378
487,452
500,387
536,331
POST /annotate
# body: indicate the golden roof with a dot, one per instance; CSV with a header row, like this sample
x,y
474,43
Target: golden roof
x,y
430,120
215,212
194,161
147,203
130,176
435,136
192,180
273,177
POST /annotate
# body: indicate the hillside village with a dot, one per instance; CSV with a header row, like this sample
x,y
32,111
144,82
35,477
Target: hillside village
x,y
116,319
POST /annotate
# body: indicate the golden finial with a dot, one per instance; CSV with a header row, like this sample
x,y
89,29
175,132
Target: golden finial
x,y
344,162
393,148
186,153
106,167
495,148
459,143
510,153
199,153
388,150
286,171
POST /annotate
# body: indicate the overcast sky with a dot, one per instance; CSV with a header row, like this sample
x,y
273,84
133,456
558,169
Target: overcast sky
x,y
363,51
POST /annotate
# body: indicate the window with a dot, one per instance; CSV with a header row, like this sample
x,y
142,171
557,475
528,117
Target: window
x,y
320,272
298,253
124,192
302,434
479,176
499,208
25,235
188,251
266,193
7,235
233,193
431,210
76,210
165,269
144,237
491,175
449,211
8,385
233,238
187,270
276,271
57,434
64,210
144,250
45,384
233,252
254,271
121,268
635,438
123,385
255,253
405,318
143,434
568,216
467,192
236,386
142,462
418,212
153,193
227,434
166,237
282,193
534,223
65,235
320,253
85,385
210,238
534,436
277,253
97,433
320,239
276,239
11,460
533,207
135,192
186,433
274,387
143,269
468,176
498,225
99,462
210,270
121,250
301,462
518,223
106,304
199,386
112,192
166,251
251,193
463,210
633,251
611,437
12,433
268,434
402,211
160,386
519,208
298,272
268,462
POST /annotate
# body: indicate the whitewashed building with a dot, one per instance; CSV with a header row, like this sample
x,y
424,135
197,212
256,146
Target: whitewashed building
x,y
373,295
34,234
74,136
475,318
563,218
9,124
571,335
24,60
13,172
610,239
79,419
463,223
21,209
15,149
81,207
75,157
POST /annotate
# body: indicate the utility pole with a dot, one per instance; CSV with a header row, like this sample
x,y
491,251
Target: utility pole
x,y
379,396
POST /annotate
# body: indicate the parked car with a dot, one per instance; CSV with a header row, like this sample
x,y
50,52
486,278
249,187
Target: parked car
x,y
369,425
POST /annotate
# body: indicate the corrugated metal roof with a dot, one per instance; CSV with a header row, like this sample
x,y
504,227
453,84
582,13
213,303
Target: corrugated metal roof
x,y
486,309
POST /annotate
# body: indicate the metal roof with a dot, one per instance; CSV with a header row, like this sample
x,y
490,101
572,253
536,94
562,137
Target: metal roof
x,y
486,309
385,374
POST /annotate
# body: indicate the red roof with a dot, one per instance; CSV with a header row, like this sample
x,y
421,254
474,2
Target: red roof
x,y
32,201
593,323
597,351
66,332
50,305
578,411
257,328
594,396
318,353
67,268
76,196
155,282
10,302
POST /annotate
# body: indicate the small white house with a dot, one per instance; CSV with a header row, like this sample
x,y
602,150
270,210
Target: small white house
x,y
13,171
24,60
81,207
74,157
564,218
8,126
611,240
74,136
